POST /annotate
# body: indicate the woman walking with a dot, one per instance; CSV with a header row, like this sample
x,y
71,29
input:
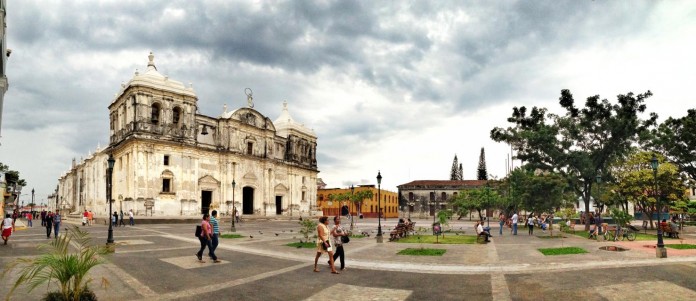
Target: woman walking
x,y
501,222
530,224
7,224
337,232
324,244
206,239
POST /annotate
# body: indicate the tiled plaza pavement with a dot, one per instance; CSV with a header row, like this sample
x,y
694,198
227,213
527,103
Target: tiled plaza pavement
x,y
156,262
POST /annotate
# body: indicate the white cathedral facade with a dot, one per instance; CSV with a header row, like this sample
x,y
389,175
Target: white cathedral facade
x,y
172,161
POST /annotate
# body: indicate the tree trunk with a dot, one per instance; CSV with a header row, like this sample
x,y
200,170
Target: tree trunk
x,y
586,199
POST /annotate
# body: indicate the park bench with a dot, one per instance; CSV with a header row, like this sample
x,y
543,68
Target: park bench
x,y
667,229
398,232
411,228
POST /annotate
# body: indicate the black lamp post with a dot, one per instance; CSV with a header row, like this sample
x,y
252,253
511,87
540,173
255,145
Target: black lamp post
x,y
488,205
434,204
660,243
379,208
234,209
598,179
109,175
32,201
352,191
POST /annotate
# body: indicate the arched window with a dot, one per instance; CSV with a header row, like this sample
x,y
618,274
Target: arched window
x,y
176,115
410,196
155,114
444,196
167,181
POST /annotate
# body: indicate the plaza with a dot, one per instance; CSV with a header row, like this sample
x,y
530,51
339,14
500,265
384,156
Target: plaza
x,y
156,262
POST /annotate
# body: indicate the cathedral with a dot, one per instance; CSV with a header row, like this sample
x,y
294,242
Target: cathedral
x,y
171,161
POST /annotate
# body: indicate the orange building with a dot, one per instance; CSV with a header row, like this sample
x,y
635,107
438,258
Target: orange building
x,y
369,208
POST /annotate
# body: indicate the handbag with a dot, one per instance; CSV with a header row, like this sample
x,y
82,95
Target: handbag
x,y
345,239
326,245
199,229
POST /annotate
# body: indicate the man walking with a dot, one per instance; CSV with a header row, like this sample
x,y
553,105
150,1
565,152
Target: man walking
x,y
121,223
130,217
215,236
56,223
48,223
43,218
514,223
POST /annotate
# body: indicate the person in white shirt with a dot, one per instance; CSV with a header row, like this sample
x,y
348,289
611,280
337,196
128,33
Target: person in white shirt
x,y
130,217
514,223
479,230
7,225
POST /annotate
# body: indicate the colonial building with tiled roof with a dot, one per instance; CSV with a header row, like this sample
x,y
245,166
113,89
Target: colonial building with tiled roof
x,y
421,197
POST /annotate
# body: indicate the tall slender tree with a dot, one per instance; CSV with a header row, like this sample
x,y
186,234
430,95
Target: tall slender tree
x,y
453,171
482,172
461,172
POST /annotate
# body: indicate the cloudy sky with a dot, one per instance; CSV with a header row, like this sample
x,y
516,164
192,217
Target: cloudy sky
x,y
395,86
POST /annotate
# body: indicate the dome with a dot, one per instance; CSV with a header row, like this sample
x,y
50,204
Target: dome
x,y
152,78
284,123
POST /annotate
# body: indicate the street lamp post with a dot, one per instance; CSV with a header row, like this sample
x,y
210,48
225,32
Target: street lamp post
x,y
32,201
234,209
488,205
379,208
352,191
434,204
598,179
660,251
109,177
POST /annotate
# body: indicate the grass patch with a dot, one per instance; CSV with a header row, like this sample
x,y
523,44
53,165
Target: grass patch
x,y
231,236
422,252
430,239
562,251
357,236
305,245
681,247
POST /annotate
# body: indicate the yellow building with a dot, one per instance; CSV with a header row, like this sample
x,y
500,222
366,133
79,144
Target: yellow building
x,y
389,202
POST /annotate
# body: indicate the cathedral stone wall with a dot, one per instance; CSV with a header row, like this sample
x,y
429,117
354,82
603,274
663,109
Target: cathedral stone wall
x,y
171,161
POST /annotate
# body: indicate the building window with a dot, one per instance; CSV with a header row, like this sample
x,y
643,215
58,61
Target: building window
x,y
166,160
166,185
155,114
250,147
303,195
303,181
176,115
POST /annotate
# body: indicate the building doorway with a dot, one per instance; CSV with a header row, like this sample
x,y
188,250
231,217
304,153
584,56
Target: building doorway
x,y
248,200
206,199
279,205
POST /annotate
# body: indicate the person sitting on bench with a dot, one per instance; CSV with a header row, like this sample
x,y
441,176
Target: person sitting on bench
x,y
480,231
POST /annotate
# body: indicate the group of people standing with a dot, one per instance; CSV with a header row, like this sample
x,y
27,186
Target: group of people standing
x,y
510,222
329,241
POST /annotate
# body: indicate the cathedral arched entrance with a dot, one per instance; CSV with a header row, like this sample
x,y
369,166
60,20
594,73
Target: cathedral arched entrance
x,y
248,200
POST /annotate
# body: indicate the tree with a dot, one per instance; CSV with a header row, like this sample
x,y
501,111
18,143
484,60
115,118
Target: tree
x,y
580,144
69,269
355,198
454,172
539,192
477,199
481,171
636,182
676,138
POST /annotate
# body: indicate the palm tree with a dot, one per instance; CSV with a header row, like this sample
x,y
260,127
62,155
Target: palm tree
x,y
59,264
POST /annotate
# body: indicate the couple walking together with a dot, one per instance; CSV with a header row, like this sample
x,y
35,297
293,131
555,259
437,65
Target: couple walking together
x,y
209,237
327,241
